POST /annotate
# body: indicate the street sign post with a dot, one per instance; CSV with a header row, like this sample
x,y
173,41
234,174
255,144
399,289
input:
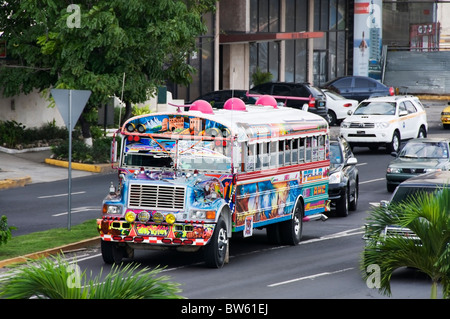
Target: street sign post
x,y
70,104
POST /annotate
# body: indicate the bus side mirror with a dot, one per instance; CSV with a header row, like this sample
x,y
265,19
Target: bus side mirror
x,y
113,151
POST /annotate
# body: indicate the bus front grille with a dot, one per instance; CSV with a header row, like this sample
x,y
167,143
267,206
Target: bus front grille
x,y
156,197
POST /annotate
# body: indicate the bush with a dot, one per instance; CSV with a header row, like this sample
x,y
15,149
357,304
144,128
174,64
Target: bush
x,y
5,230
55,278
83,153
16,135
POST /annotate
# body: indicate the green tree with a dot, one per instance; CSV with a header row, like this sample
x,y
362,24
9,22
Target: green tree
x,y
428,216
56,278
93,44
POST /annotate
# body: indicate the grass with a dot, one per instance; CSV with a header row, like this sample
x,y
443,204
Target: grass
x,y
39,241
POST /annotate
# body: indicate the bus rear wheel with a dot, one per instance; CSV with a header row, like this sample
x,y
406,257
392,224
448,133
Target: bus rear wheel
x,y
291,230
216,250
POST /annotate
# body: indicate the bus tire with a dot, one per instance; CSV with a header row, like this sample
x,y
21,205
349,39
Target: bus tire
x,y
291,230
111,252
216,250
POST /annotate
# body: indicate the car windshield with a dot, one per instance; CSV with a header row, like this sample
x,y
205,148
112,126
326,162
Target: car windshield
x,y
335,154
436,150
375,108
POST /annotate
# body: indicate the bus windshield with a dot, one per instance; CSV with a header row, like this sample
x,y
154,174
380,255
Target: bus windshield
x,y
203,155
187,154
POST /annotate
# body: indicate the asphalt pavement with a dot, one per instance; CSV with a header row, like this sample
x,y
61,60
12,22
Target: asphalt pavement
x,y
21,167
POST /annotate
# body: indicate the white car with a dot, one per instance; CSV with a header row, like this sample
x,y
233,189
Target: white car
x,y
385,121
338,106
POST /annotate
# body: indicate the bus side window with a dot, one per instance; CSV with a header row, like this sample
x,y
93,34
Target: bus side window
x,y
295,151
314,149
251,155
273,154
265,154
258,155
281,152
287,152
321,147
308,149
301,150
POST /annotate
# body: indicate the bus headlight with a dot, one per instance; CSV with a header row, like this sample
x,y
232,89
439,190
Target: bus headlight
x,y
112,209
202,214
130,217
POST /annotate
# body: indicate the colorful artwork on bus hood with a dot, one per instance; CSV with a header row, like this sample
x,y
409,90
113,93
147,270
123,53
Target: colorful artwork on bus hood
x,y
203,193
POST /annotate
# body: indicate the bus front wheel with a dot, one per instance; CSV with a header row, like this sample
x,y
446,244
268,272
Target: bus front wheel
x,y
216,250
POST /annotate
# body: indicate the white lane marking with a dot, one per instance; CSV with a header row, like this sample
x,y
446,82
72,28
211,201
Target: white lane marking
x,y
60,195
309,277
361,164
373,180
79,210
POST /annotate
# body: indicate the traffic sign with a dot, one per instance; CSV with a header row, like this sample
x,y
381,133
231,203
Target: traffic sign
x,y
70,104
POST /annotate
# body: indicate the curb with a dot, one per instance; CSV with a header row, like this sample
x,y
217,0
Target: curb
x,y
100,168
51,251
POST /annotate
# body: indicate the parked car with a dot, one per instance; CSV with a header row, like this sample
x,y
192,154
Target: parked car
x,y
358,87
218,98
343,183
310,95
445,117
385,121
338,106
418,156
425,183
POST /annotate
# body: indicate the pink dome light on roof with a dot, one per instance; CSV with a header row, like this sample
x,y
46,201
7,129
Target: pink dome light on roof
x,y
235,104
202,106
267,100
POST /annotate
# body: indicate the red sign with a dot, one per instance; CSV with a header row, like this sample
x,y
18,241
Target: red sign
x,y
362,8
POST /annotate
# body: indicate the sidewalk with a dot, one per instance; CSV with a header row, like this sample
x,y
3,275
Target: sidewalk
x,y
19,168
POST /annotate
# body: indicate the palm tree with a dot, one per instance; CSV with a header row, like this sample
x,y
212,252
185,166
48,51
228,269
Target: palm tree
x,y
59,279
428,217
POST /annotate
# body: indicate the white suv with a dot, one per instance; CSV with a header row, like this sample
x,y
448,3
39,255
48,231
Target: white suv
x,y
385,121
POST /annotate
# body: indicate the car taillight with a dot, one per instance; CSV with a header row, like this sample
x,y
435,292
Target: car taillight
x,y
391,91
347,104
312,102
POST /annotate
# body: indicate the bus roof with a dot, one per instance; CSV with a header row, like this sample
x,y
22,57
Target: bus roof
x,y
255,122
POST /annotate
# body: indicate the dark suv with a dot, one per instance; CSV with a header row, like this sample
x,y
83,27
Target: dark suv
x,y
314,97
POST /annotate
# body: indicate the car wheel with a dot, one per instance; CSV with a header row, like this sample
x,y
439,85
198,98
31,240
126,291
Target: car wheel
x,y
390,188
394,145
332,118
354,202
422,133
342,204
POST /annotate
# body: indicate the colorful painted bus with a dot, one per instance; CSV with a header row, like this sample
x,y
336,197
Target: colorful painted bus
x,y
189,180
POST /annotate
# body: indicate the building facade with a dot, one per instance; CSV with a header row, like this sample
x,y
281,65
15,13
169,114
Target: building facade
x,y
294,40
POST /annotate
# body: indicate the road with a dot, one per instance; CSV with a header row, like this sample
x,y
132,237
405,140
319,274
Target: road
x,y
324,266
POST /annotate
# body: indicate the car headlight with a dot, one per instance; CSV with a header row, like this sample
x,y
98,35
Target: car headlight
x,y
382,125
112,209
202,214
428,170
393,170
335,178
345,124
